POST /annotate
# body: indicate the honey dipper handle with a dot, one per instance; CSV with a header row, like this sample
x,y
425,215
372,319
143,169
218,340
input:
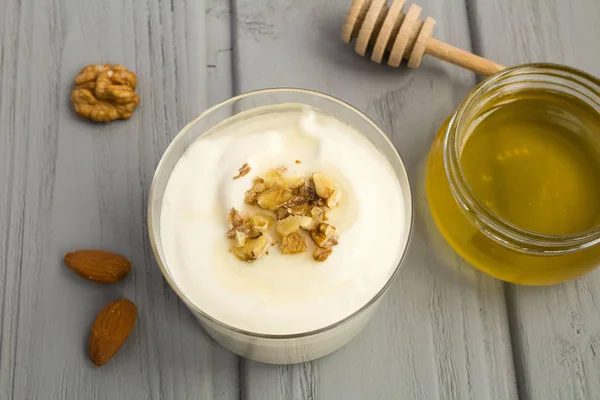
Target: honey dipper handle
x,y
462,58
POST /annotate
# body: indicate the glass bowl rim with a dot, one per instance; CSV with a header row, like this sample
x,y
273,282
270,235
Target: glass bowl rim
x,y
408,199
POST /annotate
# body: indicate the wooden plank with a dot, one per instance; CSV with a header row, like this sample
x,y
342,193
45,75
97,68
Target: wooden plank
x,y
67,184
556,330
442,331
218,51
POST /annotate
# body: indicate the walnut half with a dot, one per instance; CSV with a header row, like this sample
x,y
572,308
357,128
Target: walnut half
x,y
105,93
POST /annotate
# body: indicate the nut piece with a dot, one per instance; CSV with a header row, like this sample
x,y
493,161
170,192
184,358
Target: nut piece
x,y
244,229
242,233
321,254
307,223
240,237
271,199
111,328
308,191
282,212
262,222
243,171
98,266
105,93
289,225
324,235
318,214
247,230
275,178
252,194
235,219
253,249
334,199
294,180
294,243
323,185
298,205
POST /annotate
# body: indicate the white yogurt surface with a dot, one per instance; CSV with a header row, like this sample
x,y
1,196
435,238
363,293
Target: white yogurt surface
x,y
282,294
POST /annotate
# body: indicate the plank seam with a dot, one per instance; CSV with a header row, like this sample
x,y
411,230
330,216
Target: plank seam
x,y
473,29
235,60
515,341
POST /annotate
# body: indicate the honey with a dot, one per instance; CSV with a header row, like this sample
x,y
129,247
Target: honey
x,y
527,162
531,170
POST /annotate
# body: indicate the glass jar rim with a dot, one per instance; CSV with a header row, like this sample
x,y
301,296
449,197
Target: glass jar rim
x,y
488,222
162,265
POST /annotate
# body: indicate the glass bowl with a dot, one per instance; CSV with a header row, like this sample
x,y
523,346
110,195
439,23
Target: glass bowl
x,y
270,348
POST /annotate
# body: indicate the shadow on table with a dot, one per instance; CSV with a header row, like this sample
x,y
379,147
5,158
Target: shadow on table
x,y
444,262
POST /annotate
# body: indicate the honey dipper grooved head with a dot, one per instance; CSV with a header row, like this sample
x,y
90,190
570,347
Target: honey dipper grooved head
x,y
388,30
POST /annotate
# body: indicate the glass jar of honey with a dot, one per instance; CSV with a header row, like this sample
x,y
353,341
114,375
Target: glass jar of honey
x,y
513,177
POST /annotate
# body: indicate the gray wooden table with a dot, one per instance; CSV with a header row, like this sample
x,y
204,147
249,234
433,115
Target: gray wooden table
x,y
445,331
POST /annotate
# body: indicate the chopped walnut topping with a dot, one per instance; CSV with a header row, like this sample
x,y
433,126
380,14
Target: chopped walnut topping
x,y
248,230
275,178
262,222
299,210
334,199
243,171
251,228
307,223
323,185
294,180
240,238
318,214
235,219
293,243
252,194
253,249
253,233
308,191
282,213
273,198
321,254
289,225
297,203
324,235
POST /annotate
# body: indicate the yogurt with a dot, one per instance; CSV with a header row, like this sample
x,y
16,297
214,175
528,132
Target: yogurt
x,y
281,294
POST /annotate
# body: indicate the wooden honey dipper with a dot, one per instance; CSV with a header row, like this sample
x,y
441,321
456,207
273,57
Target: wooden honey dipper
x,y
403,36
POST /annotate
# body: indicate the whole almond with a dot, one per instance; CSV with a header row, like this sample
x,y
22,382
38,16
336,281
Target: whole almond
x,y
98,265
111,329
